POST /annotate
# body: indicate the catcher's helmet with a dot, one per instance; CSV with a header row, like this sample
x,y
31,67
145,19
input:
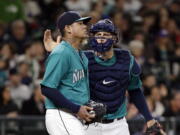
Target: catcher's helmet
x,y
105,25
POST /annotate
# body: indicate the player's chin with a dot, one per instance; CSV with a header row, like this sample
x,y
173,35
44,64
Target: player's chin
x,y
85,35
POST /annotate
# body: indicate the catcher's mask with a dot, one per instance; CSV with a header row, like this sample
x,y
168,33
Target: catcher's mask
x,y
104,25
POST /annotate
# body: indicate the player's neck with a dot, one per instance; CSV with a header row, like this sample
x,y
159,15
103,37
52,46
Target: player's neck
x,y
74,42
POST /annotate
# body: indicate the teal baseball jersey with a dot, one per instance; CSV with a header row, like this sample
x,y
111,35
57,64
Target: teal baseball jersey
x,y
135,83
67,71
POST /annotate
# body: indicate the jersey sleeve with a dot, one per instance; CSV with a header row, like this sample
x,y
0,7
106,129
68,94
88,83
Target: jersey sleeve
x,y
56,67
135,71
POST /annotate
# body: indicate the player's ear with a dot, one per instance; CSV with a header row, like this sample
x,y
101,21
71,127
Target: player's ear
x,y
68,29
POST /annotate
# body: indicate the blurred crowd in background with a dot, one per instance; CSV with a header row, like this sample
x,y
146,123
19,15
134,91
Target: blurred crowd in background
x,y
150,29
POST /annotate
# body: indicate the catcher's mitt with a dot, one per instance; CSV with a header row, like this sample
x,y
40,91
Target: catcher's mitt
x,y
155,129
99,109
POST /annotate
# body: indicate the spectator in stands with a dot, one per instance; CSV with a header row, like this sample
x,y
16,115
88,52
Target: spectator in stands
x,y
149,81
81,6
132,6
98,7
154,102
174,105
173,110
51,10
119,22
11,10
30,57
35,105
40,57
19,92
139,35
8,53
19,35
162,46
123,23
32,10
164,92
3,72
162,50
152,5
116,16
119,5
23,69
39,49
175,65
7,106
163,18
174,9
172,28
148,25
137,49
96,16
2,31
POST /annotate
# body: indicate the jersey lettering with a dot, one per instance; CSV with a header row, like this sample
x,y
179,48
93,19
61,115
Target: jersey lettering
x,y
78,75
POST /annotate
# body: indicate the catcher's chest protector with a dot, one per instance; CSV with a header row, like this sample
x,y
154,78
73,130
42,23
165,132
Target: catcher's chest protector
x,y
109,83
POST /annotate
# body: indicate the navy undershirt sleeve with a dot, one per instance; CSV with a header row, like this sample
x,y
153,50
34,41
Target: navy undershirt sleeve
x,y
137,97
58,99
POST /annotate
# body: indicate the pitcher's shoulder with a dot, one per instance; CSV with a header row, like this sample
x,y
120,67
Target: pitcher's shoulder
x,y
61,49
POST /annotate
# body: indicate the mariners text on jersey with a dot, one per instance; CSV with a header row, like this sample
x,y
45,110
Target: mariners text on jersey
x,y
78,75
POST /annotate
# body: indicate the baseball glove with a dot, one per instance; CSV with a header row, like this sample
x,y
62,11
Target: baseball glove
x,y
155,129
99,110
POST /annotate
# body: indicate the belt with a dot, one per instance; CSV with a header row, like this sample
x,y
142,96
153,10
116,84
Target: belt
x,y
106,121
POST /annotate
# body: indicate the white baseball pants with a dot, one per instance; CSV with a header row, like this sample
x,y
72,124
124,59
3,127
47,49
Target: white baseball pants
x,y
118,127
62,123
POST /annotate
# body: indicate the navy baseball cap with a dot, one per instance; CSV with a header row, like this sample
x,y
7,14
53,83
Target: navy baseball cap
x,y
68,18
